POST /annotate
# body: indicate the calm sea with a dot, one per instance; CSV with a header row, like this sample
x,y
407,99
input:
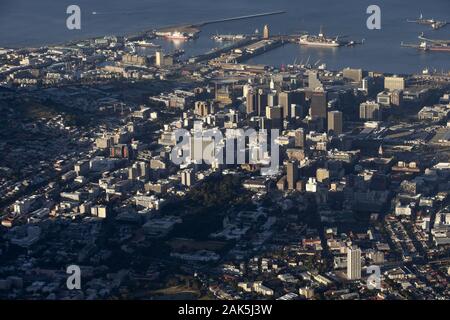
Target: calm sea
x,y
39,22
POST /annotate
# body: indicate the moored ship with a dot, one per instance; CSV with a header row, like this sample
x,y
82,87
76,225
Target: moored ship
x,y
428,47
319,41
434,47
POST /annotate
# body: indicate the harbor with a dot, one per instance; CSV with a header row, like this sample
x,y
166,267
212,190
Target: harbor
x,y
239,47
257,47
245,47
191,31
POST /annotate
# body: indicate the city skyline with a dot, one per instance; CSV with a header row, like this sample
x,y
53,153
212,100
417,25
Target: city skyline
x,y
154,166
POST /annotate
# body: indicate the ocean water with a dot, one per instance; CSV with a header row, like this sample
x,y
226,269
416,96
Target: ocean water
x,y
40,22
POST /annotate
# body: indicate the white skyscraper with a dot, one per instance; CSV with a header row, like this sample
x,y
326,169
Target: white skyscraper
x,y
187,177
353,263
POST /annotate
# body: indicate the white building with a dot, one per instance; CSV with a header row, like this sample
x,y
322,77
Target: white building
x,y
311,185
259,288
353,263
187,177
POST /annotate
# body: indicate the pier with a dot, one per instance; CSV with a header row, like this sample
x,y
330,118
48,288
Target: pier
x,y
265,14
195,27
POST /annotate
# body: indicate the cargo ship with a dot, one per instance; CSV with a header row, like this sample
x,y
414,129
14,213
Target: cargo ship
x,y
319,41
434,47
424,46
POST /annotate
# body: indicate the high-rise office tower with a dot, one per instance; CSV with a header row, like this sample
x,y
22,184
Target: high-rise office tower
x,y
335,122
187,177
298,111
287,98
162,60
275,115
144,169
370,110
291,174
284,100
397,98
201,108
251,102
367,85
261,102
353,263
272,99
300,138
318,109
